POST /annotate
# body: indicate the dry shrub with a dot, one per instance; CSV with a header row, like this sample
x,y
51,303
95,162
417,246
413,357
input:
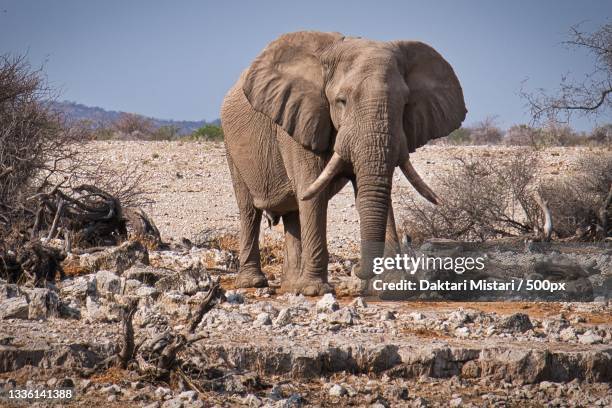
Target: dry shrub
x,y
486,199
576,201
43,160
35,144
486,132
522,135
134,125
482,199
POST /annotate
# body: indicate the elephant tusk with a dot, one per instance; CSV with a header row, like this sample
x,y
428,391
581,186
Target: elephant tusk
x,y
329,172
417,182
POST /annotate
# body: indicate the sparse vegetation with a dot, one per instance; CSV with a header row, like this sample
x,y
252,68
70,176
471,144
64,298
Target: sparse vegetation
x,y
47,186
483,199
578,202
208,132
553,134
487,199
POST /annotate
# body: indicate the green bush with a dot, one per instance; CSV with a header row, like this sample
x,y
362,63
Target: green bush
x,y
208,132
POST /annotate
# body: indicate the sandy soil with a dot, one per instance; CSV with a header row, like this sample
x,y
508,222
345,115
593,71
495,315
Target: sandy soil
x,y
192,190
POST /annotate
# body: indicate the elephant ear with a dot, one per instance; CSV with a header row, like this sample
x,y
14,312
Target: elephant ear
x,y
285,83
435,104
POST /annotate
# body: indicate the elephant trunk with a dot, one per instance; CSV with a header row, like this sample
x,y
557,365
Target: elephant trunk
x,y
373,178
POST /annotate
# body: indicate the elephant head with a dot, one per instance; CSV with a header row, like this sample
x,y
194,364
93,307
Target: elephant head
x,y
370,102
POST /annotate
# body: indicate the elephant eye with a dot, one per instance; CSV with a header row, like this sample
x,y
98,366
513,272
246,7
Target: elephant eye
x,y
341,100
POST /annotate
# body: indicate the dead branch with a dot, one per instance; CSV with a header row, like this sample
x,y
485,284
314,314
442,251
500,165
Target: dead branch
x,y
547,229
205,306
6,172
127,350
58,214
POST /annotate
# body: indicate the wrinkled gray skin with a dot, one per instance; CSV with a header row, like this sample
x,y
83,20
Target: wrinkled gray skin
x,y
315,111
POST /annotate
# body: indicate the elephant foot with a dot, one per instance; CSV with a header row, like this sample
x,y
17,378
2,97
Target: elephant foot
x,y
308,287
251,279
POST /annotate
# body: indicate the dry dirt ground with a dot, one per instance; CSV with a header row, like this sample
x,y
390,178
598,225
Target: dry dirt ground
x,y
191,185
262,348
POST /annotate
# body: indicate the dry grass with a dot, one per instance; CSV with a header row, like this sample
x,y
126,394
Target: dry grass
x,y
113,375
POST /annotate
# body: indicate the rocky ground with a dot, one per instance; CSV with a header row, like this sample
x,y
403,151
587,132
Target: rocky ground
x,y
262,348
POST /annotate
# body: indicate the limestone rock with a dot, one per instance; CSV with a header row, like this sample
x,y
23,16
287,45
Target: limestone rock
x,y
117,259
327,303
43,303
516,323
107,283
337,390
77,288
284,317
14,308
146,274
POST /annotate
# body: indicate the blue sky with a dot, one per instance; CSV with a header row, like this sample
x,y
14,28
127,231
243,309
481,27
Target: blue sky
x,y
176,59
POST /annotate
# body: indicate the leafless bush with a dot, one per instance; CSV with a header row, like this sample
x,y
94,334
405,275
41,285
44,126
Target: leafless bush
x,y
40,152
601,135
486,132
554,134
522,135
487,199
135,125
482,199
578,202
35,144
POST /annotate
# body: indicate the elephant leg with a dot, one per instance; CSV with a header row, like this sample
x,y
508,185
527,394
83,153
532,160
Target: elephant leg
x,y
293,250
312,280
249,275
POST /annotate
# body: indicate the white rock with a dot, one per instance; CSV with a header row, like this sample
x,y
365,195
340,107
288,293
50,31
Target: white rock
x,y
107,283
284,317
162,391
327,303
252,400
455,402
96,311
188,395
568,334
337,390
359,303
417,316
387,315
14,308
263,319
147,292
459,317
342,316
78,288
589,337
173,403
43,303
462,332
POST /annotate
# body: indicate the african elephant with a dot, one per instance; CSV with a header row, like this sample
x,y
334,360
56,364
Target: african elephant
x,y
314,111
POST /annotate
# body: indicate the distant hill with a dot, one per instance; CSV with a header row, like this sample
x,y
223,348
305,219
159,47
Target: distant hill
x,y
77,112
